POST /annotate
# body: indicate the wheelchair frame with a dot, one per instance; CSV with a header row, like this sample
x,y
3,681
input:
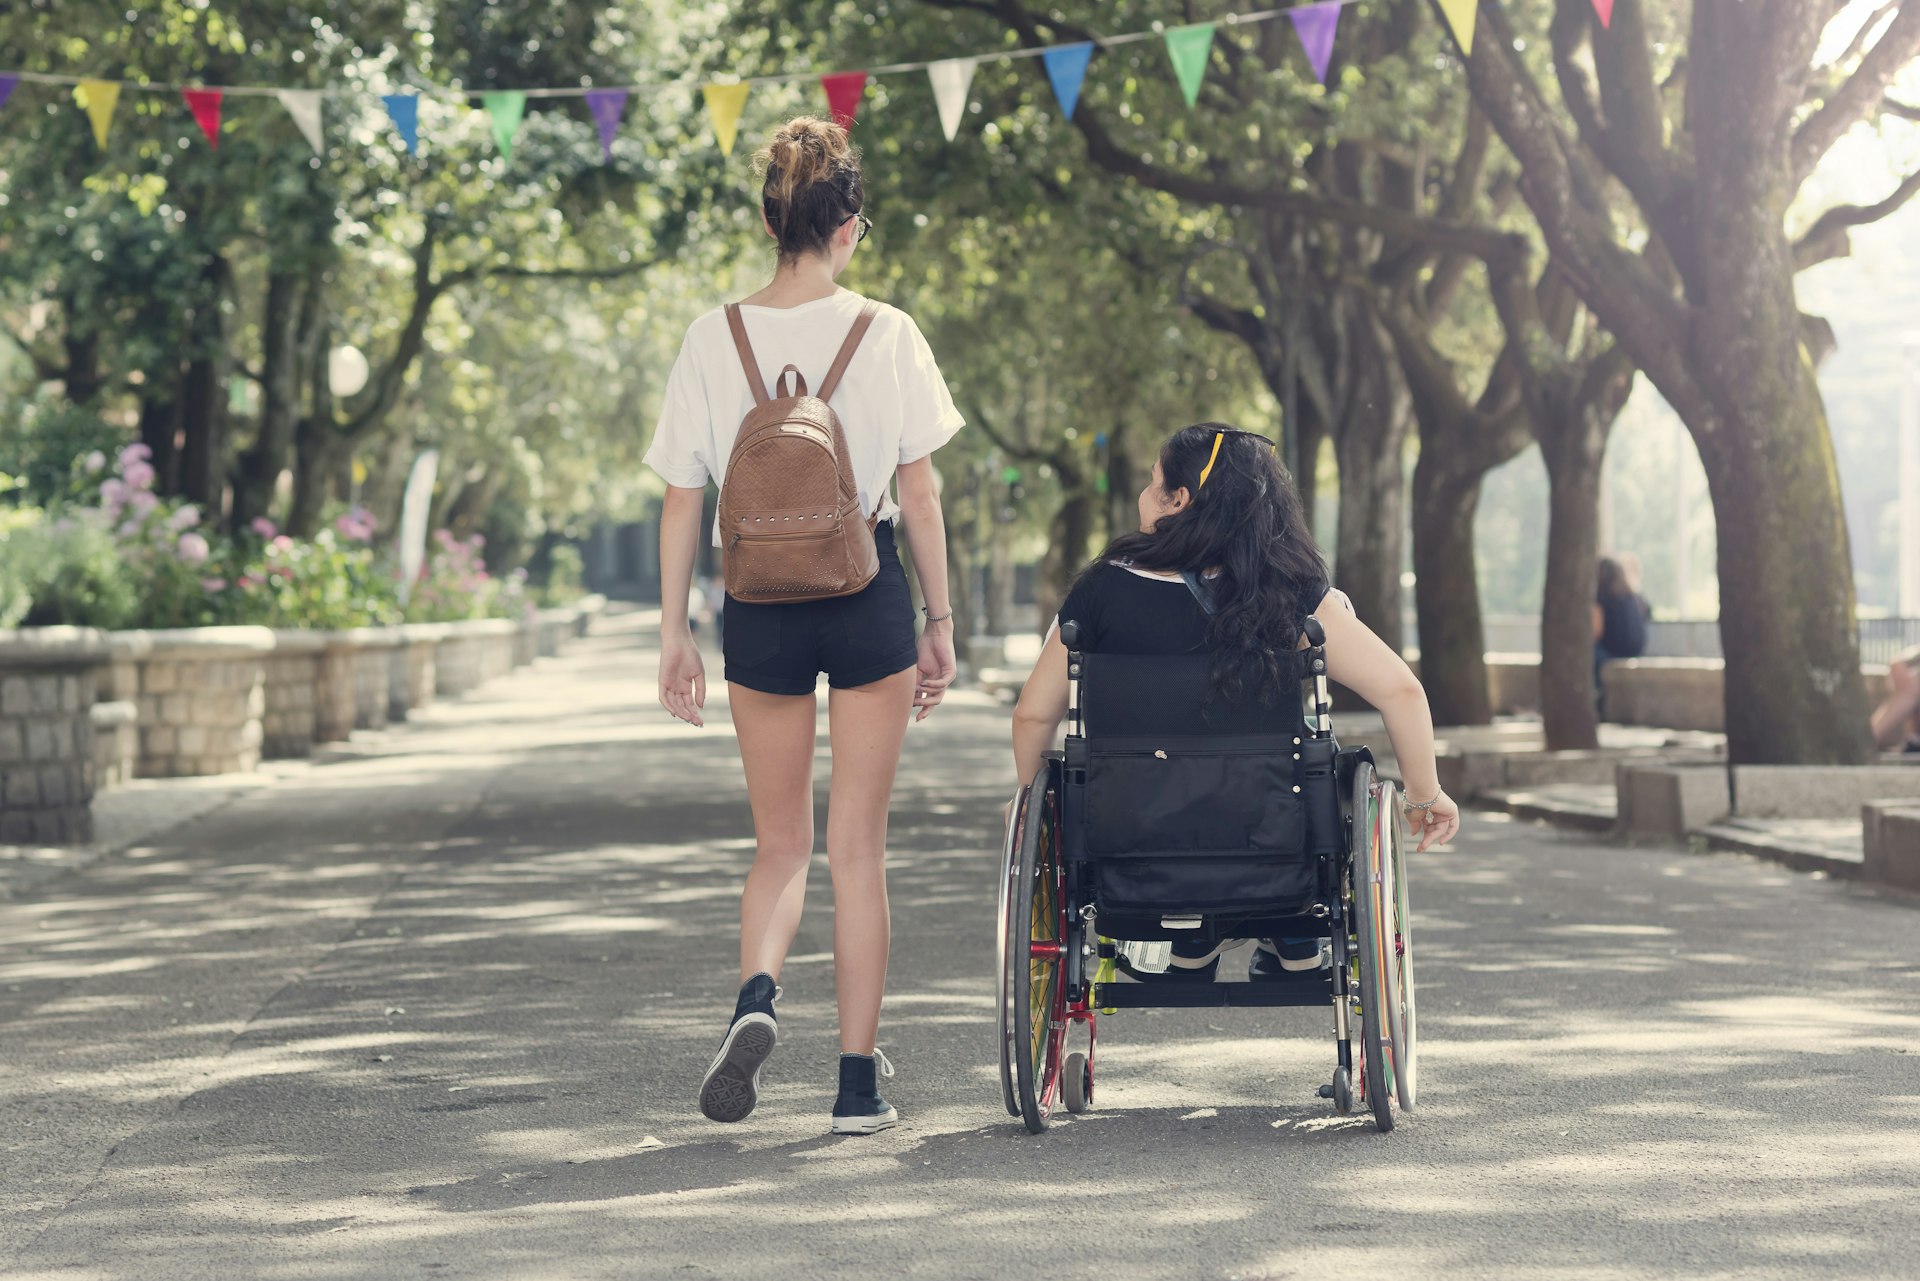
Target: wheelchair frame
x,y
1057,971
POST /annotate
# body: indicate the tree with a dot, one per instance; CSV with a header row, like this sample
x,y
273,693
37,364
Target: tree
x,y
1711,148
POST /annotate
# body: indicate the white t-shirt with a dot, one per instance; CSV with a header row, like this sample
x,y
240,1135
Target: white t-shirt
x,y
892,403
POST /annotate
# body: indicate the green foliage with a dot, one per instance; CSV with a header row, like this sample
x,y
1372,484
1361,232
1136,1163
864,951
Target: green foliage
x,y
67,571
566,577
328,583
454,584
47,445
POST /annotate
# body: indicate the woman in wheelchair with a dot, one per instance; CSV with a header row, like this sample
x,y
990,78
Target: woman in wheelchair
x,y
1224,563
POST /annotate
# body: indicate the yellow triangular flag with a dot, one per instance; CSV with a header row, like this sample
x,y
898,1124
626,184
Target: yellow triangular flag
x,y
724,104
1461,15
98,98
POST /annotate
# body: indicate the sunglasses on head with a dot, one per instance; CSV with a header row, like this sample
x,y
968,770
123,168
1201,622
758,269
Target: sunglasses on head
x,y
1219,435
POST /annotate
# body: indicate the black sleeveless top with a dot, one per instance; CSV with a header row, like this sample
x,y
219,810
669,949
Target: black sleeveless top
x,y
1123,612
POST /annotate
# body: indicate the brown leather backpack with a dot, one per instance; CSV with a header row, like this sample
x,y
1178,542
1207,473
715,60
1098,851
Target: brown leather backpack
x,y
789,507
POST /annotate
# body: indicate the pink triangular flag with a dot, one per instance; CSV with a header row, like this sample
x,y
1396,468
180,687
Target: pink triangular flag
x,y
844,89
1605,9
205,105
1315,25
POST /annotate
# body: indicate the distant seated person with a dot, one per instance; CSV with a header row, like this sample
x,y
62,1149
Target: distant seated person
x,y
1620,614
1896,722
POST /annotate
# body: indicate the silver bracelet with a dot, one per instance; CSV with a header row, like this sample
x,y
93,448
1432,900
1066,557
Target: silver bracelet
x,y
941,619
1423,806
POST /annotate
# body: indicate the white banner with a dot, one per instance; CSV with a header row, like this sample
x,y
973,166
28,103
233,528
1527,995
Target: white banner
x,y
414,510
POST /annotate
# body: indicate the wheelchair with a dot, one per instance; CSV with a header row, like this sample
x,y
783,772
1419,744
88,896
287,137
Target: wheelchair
x,y
1167,817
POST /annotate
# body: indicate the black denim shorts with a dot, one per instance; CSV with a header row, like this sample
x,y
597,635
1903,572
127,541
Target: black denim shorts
x,y
856,640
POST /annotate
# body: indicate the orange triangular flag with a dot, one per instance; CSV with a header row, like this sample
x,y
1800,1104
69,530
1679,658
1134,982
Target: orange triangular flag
x,y
205,105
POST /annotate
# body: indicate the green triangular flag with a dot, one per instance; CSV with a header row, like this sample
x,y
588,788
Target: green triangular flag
x,y
1189,48
506,110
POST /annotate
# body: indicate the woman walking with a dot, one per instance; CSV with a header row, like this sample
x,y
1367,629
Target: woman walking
x,y
895,410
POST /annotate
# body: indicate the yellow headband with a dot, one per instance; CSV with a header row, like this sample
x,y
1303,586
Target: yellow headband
x,y
1211,459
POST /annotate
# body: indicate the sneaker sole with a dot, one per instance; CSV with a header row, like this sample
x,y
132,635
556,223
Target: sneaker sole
x,y
732,1085
866,1124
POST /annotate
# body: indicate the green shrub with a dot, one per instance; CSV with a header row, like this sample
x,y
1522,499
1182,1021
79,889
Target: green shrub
x,y
566,577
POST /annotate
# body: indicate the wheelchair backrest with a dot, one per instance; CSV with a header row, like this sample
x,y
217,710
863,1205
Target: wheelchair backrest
x,y
1130,695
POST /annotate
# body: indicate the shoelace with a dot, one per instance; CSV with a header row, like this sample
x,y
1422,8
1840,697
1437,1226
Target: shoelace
x,y
882,1062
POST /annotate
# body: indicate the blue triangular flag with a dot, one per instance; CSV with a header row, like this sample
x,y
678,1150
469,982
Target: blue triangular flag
x,y
1067,68
404,109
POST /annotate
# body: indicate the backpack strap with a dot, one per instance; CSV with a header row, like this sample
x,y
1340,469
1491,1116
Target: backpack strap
x,y
847,348
745,348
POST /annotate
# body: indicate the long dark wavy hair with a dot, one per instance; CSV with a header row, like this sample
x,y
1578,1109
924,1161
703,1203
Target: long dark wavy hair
x,y
1246,521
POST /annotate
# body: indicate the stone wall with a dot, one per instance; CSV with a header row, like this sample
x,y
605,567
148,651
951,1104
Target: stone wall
x,y
526,641
293,675
201,699
116,743
373,675
47,769
415,667
553,626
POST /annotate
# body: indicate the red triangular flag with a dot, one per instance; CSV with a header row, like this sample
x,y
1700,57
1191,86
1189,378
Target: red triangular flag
x,y
843,95
205,105
1605,9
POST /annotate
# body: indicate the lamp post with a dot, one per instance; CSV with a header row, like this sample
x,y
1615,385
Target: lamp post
x,y
1908,549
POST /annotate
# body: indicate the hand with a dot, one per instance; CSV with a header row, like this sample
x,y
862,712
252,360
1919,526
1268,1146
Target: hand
x,y
1435,825
937,667
683,677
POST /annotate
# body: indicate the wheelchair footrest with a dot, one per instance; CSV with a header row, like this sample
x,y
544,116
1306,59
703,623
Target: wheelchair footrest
x,y
1315,989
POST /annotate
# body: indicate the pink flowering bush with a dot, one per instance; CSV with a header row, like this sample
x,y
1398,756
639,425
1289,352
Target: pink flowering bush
x,y
454,584
327,583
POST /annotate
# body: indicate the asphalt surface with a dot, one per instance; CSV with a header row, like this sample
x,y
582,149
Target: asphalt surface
x,y
441,1010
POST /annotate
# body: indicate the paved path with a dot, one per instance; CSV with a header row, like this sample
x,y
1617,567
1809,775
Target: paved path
x,y
441,1011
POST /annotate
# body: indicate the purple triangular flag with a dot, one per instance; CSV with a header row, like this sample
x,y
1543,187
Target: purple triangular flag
x,y
1315,24
6,88
606,106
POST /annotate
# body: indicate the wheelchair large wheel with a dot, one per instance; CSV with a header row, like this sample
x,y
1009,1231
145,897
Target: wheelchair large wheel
x,y
1009,857
1373,896
1033,960
1400,1009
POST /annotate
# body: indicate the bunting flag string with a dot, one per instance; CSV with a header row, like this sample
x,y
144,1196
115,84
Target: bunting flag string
x,y
1461,16
952,80
1315,25
507,110
205,106
1189,49
304,106
724,105
844,89
607,106
1067,70
404,110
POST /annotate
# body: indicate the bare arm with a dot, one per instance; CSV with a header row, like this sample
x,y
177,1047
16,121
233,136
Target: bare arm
x,y
683,675
926,530
1366,665
1043,702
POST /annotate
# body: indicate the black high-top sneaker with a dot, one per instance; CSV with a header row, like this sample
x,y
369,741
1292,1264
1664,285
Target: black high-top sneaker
x,y
732,1084
860,1109
1276,959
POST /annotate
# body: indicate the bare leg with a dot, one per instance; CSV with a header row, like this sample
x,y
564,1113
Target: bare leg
x,y
868,726
776,746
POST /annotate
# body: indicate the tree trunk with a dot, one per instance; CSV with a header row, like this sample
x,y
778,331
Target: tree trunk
x,y
203,418
1066,553
1453,646
317,462
1566,610
160,427
289,313
1371,445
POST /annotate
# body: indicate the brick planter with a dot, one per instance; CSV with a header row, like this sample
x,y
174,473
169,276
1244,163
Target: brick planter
x,y
293,680
47,769
412,676
116,743
588,608
552,627
373,660
526,641
473,653
202,693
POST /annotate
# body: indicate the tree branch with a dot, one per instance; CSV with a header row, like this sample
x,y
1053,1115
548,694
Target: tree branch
x,y
1828,238
1861,94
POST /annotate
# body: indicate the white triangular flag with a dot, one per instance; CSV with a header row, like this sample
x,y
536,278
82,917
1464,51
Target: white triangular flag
x,y
304,106
951,78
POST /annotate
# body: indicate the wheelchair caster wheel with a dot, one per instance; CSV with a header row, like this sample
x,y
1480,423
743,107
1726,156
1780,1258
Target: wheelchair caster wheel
x,y
1076,1083
1341,1092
